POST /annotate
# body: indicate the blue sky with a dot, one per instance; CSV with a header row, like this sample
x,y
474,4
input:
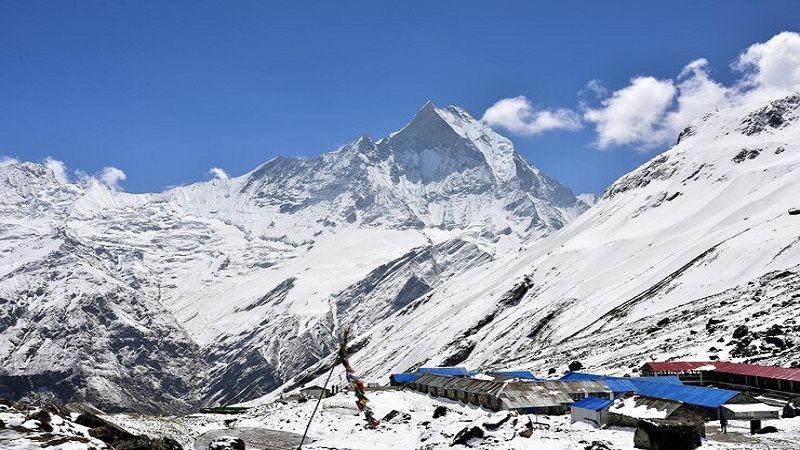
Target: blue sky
x,y
164,91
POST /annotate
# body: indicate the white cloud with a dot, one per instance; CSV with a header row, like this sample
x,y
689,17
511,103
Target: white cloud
x,y
218,173
697,95
649,113
58,168
518,116
595,86
111,176
632,115
770,69
81,175
7,160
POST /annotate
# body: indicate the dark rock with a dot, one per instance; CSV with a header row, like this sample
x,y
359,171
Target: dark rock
x,y
392,414
467,434
109,435
497,422
528,431
712,323
551,371
2,424
767,429
792,408
775,330
90,421
440,411
661,323
746,153
653,436
598,445
776,341
740,331
575,366
44,418
226,443
395,414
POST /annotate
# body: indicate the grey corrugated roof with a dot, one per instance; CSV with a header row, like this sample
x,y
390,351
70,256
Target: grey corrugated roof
x,y
532,395
578,387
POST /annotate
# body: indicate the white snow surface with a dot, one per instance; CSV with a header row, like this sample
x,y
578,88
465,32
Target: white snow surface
x,y
338,425
630,407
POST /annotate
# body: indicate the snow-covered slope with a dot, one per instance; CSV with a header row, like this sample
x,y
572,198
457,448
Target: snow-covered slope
x,y
674,257
220,291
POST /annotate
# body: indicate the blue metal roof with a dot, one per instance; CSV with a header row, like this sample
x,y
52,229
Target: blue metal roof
x,y
592,403
581,376
693,395
449,371
619,385
517,374
404,377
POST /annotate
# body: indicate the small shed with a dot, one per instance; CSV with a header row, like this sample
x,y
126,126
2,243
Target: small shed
x,y
316,391
402,379
750,411
629,409
590,409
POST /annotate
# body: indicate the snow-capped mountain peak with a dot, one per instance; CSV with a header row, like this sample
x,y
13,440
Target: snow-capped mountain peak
x,y
438,141
243,280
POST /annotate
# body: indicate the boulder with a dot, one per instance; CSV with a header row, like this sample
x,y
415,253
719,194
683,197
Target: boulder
x,y
528,431
776,341
792,408
574,366
440,411
467,434
44,418
396,416
497,420
2,424
90,421
664,436
226,443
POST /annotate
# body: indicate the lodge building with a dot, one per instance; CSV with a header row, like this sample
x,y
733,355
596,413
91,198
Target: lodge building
x,y
773,381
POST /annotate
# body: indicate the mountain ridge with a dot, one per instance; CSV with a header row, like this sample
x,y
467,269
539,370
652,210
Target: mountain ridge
x,y
242,280
697,233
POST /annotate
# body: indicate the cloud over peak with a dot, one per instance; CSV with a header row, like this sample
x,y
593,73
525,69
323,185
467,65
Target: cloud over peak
x,y
650,112
632,113
111,177
218,173
518,116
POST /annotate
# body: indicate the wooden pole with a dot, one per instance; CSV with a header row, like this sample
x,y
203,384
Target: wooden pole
x,y
319,400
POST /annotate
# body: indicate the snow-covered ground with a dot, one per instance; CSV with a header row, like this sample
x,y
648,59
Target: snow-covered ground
x,y
33,428
338,425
